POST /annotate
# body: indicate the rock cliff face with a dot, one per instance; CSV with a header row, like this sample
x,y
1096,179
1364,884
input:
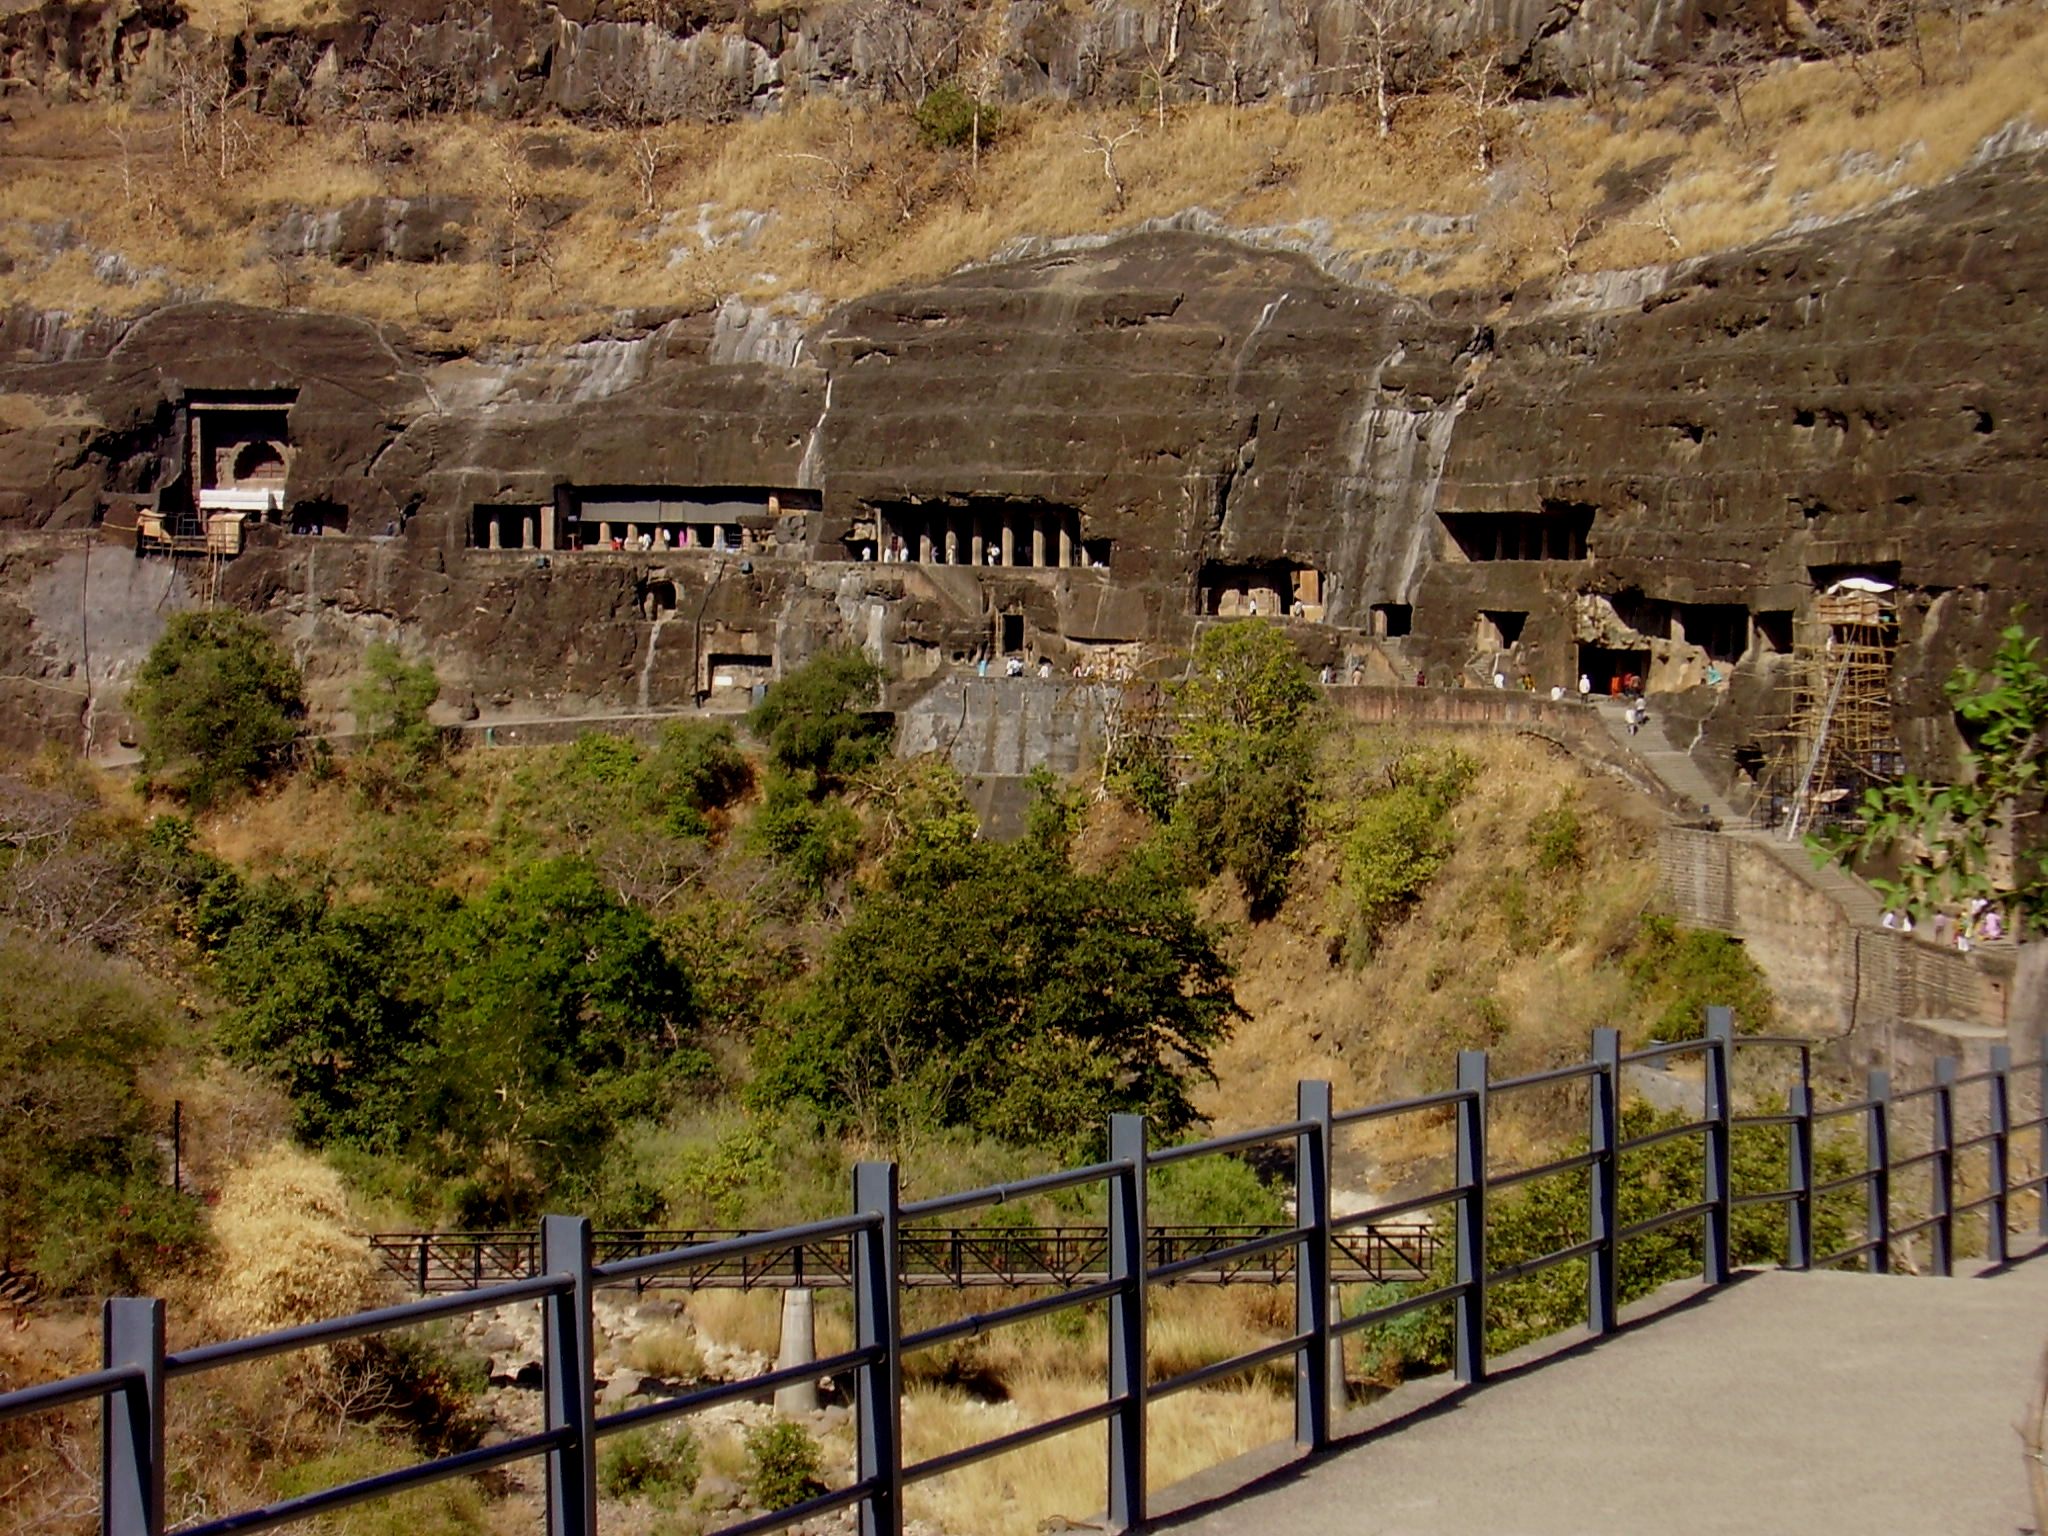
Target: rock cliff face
x,y
1651,472
717,58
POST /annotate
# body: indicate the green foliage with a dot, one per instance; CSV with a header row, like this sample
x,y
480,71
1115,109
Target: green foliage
x,y
1218,1191
391,701
660,1466
818,719
696,768
1557,840
816,841
1969,840
1552,1213
1246,688
1399,837
783,1463
84,1199
500,1041
1055,811
1678,973
453,1507
952,117
218,703
992,986
1246,716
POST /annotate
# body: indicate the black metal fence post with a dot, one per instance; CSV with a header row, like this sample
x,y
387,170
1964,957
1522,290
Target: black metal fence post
x,y
879,1392
568,1361
1998,1111
423,1263
1719,1192
1603,1141
132,1419
1127,1372
1313,1369
1877,1162
1799,1164
1469,1309
1941,1195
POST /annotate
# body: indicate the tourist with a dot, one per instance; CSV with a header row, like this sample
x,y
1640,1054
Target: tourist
x,y
1585,686
1500,679
1045,669
1557,693
1421,679
1326,674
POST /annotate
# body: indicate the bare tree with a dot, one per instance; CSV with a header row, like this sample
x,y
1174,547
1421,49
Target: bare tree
x,y
1106,145
1481,82
1385,35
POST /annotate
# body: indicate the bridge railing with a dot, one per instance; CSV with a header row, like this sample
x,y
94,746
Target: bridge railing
x,y
882,1229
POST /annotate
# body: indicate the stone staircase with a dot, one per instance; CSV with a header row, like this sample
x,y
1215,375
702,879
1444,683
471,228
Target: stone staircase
x,y
1674,766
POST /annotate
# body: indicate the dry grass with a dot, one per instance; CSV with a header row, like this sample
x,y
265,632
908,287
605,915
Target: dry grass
x,y
285,1252
670,1353
825,201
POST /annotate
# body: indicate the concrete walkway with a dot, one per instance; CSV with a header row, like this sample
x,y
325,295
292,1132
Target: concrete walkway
x,y
1785,1403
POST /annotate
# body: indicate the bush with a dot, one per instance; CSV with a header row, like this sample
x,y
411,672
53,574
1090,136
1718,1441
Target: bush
x,y
994,987
218,703
783,1463
649,1464
1678,973
1557,840
1399,839
951,117
816,841
84,1197
819,718
390,703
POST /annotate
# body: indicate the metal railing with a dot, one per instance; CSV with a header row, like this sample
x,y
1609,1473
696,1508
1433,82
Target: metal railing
x,y
883,1228
958,1258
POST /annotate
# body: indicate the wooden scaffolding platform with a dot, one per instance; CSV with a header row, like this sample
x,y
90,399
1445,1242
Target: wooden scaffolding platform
x,y
1838,738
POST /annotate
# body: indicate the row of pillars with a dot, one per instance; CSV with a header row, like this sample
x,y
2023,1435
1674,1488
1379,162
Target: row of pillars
x,y
1050,538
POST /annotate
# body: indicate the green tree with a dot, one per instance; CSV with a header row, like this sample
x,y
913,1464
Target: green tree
x,y
1246,715
1401,836
218,703
392,698
992,986
85,1202
560,1018
820,718
1973,839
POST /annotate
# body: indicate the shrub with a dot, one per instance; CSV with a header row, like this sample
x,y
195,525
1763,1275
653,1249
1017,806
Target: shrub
x,y
1557,840
286,1253
697,768
390,702
1399,839
951,117
816,841
83,1196
783,1463
649,1464
819,719
218,703
1678,973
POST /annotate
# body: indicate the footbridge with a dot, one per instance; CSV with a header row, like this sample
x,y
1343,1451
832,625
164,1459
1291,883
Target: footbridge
x,y
1835,1392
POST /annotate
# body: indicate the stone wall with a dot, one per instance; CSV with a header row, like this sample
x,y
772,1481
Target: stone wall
x,y
1832,978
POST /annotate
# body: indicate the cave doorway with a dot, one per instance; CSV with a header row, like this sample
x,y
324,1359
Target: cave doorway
x,y
1011,633
1606,665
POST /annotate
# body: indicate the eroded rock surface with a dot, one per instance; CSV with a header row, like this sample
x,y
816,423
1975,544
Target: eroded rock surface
x,y
1664,465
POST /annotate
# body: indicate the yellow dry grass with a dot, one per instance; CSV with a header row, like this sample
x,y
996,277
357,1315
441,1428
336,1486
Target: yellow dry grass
x,y
286,1255
825,200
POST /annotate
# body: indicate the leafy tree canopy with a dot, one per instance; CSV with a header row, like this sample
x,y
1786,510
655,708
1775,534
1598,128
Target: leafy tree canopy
x,y
1245,714
218,702
1973,839
818,719
991,986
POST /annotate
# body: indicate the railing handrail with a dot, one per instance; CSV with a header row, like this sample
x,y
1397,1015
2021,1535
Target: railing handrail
x,y
1133,1256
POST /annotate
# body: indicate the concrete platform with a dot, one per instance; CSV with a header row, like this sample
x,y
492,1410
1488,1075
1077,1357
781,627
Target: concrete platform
x,y
1782,1403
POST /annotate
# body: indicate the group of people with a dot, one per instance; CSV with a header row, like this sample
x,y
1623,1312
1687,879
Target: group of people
x,y
1980,922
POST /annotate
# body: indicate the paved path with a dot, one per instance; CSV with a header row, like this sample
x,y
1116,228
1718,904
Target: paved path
x,y
1786,1403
